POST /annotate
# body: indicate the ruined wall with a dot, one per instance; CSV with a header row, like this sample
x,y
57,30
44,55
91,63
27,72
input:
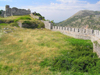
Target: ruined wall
x,y
96,48
33,16
14,11
48,24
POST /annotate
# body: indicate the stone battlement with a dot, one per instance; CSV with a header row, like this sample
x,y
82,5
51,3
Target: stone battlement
x,y
79,33
86,34
14,11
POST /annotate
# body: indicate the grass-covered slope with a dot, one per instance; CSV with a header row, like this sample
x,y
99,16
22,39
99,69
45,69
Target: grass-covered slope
x,y
44,52
27,20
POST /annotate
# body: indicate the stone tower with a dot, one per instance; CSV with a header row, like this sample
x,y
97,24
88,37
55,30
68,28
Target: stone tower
x,y
7,7
7,11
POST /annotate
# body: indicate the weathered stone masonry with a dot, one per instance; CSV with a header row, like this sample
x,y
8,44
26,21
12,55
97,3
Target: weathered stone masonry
x,y
86,34
14,11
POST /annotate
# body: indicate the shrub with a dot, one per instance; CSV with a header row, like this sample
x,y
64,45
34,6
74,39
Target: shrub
x,y
27,22
1,12
80,59
20,40
33,24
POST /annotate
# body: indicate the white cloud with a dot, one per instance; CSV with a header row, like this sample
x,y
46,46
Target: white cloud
x,y
2,8
68,1
71,1
98,2
62,11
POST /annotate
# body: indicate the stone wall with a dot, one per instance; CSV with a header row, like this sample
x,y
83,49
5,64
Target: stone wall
x,y
14,11
48,24
33,16
74,32
86,34
96,48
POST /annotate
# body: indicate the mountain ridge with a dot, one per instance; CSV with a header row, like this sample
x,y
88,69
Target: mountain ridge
x,y
83,19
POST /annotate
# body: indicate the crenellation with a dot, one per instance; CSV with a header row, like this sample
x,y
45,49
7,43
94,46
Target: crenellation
x,y
53,27
89,32
73,29
79,33
56,27
66,28
70,29
63,28
84,31
96,32
99,33
60,28
76,30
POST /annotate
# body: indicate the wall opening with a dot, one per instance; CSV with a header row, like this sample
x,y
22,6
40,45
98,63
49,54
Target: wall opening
x,y
78,30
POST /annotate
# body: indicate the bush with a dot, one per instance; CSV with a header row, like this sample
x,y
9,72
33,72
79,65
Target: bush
x,y
1,12
27,22
80,59
41,25
37,14
33,24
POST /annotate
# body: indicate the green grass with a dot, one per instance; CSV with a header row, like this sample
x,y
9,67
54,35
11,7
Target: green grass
x,y
40,51
26,19
3,24
44,52
77,61
22,18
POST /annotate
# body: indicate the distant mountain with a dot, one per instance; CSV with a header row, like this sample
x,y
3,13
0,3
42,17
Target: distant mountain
x,y
83,19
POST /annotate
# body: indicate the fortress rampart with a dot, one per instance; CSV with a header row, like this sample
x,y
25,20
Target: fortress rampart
x,y
79,33
14,11
86,34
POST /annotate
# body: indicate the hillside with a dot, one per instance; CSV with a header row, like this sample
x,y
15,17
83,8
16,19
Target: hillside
x,y
83,19
37,51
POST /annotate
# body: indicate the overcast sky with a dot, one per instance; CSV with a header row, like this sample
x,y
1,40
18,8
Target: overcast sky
x,y
57,10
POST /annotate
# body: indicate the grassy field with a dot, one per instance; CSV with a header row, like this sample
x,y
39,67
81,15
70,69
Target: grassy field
x,y
22,50
43,52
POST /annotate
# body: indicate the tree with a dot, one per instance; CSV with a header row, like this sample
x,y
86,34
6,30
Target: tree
x,y
1,12
53,22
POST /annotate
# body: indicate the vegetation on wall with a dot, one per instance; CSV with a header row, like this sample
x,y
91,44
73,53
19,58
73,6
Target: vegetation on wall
x,y
38,14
